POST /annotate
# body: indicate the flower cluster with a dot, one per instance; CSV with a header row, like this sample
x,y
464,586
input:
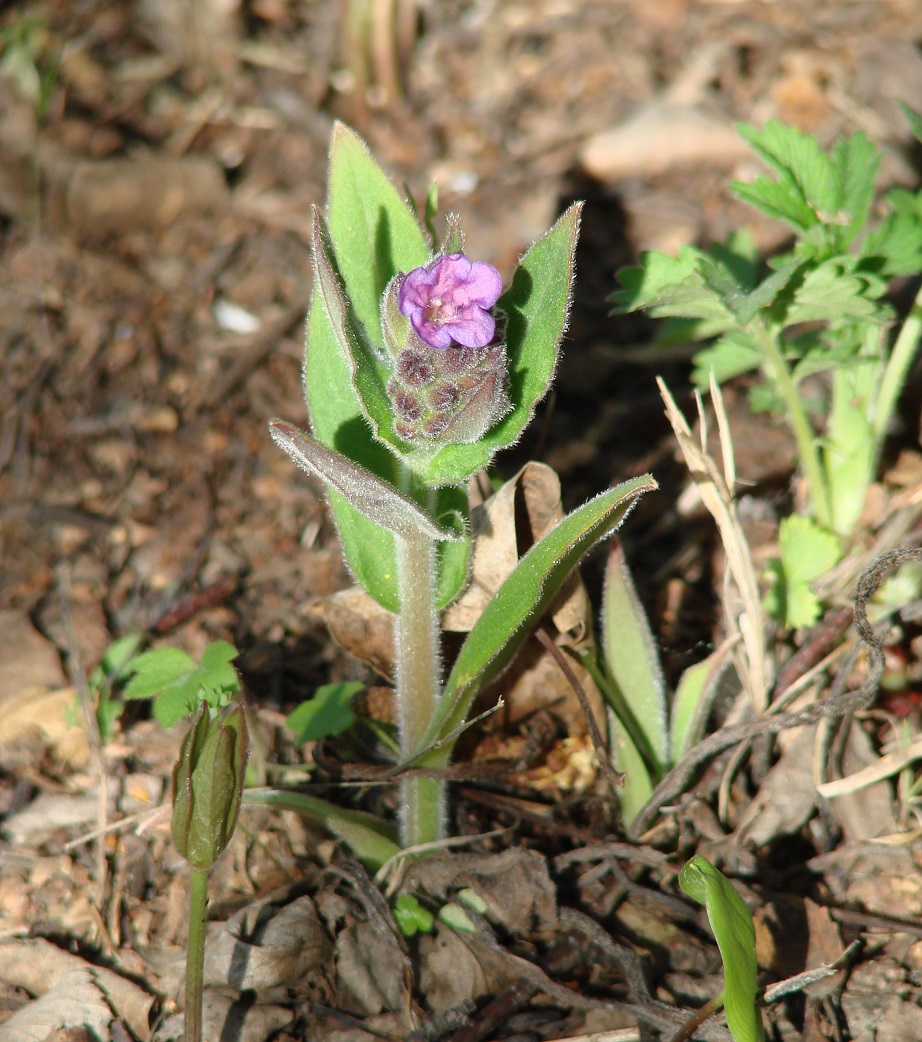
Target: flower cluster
x,y
448,381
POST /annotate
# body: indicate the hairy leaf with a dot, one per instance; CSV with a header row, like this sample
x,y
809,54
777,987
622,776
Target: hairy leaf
x,y
522,598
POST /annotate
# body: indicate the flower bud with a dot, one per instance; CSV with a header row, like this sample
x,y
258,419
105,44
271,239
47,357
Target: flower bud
x,y
208,783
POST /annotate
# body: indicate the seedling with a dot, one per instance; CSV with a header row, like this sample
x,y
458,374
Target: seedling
x,y
418,369
736,939
819,307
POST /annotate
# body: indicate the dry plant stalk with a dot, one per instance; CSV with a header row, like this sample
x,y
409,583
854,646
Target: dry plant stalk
x,y
741,601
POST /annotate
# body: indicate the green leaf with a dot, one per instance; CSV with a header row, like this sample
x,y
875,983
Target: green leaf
x,y
374,231
411,917
637,786
895,246
376,499
536,306
327,714
157,669
855,161
914,119
831,292
521,599
177,683
374,235
735,353
685,720
370,839
807,552
779,200
216,669
367,372
801,165
115,665
849,449
632,661
456,918
671,287
736,939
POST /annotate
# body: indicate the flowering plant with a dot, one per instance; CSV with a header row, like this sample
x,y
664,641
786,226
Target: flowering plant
x,y
418,370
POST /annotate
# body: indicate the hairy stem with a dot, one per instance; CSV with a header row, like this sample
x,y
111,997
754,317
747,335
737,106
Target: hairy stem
x,y
195,953
897,369
418,668
805,437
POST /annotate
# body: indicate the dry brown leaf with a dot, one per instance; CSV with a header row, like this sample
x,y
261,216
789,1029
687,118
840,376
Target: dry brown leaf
x,y
533,497
360,626
371,979
266,945
29,660
40,967
75,1002
51,719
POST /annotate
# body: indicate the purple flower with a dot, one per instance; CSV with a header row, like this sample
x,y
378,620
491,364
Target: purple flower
x,y
449,300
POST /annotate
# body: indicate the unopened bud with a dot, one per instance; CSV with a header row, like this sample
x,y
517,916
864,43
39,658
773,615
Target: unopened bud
x,y
208,783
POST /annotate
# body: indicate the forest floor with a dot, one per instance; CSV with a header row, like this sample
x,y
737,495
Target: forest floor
x,y
156,185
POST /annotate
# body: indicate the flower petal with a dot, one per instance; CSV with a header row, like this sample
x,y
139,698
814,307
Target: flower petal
x,y
474,328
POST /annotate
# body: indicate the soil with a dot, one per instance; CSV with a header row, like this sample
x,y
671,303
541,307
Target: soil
x,y
159,165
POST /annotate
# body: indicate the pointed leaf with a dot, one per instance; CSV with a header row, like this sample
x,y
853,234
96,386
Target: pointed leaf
x,y
367,372
631,657
374,235
374,231
326,714
377,500
521,599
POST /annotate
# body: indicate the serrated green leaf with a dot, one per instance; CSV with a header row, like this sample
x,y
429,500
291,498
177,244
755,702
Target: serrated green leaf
x,y
807,552
177,683
536,306
670,287
779,200
734,354
215,666
895,246
736,939
326,714
799,161
522,598
830,293
631,659
855,161
158,669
